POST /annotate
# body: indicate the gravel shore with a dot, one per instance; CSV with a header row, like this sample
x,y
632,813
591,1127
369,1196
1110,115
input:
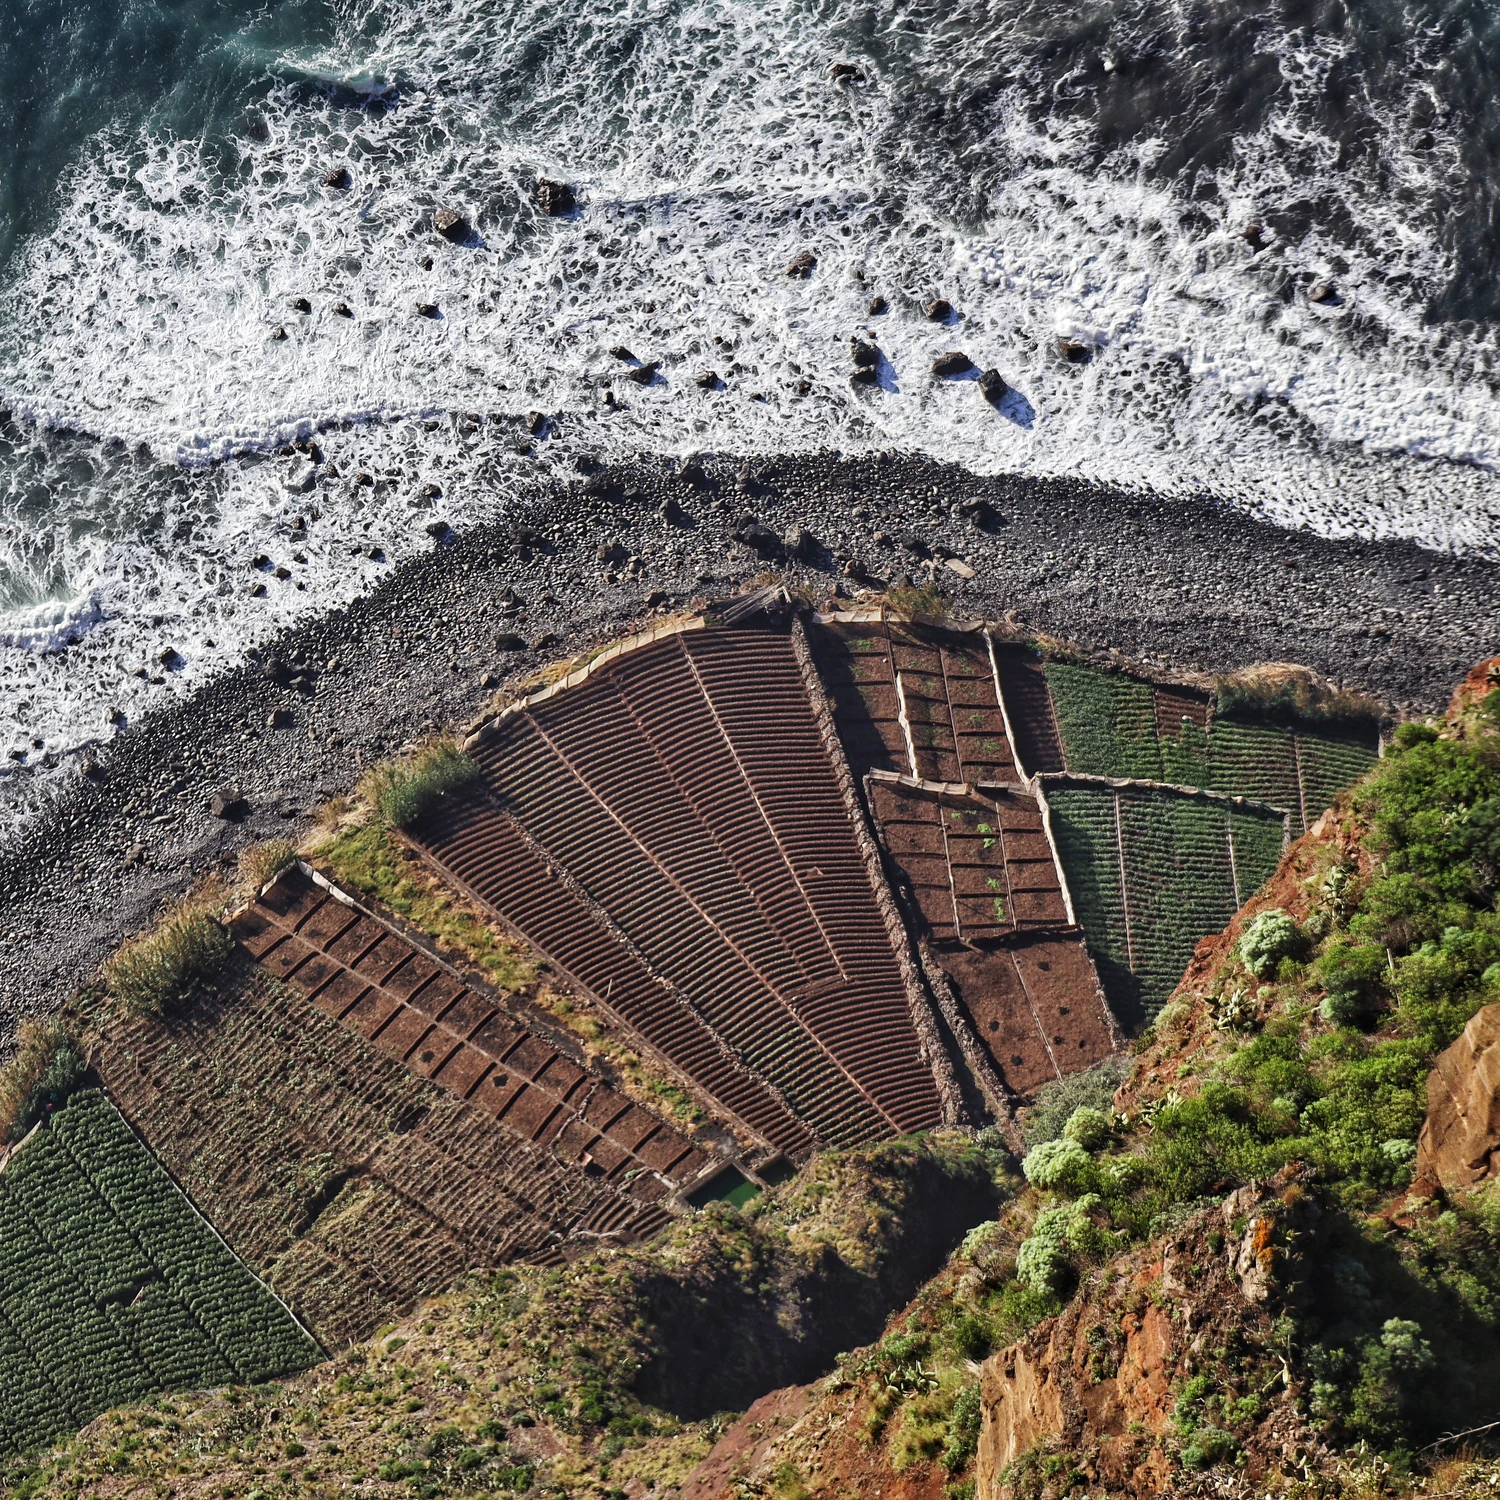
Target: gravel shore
x,y
1177,585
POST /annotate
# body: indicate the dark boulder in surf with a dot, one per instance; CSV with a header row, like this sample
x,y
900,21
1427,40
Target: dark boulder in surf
x,y
954,362
554,198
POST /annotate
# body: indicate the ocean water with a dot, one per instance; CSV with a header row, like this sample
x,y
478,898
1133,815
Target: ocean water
x,y
1057,172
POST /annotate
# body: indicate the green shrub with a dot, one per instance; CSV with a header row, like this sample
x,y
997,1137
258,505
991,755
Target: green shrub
x,y
1208,1446
1434,812
1411,734
39,1078
1042,1261
1445,980
1058,1235
963,1431
1271,937
1354,975
166,968
403,790
1057,1101
1090,1127
1060,1166
971,1337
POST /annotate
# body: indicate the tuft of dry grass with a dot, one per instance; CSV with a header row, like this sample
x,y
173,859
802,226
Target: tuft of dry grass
x,y
1279,689
164,968
925,600
402,790
39,1049
263,862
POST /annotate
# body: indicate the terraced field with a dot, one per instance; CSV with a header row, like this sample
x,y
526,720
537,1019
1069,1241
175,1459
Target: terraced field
x,y
1108,722
914,698
1151,872
113,1287
668,829
977,866
361,970
1300,769
979,882
352,1182
1117,726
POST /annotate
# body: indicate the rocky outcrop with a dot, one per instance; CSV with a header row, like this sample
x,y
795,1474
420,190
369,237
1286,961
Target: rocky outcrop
x,y
1459,1148
555,199
1101,1383
954,362
1482,680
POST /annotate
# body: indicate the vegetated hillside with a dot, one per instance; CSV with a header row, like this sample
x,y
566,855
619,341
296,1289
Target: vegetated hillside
x,y
1295,1055
587,1379
1219,1279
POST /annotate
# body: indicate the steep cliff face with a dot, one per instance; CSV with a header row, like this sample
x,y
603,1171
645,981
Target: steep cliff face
x,y
1166,1361
1459,1148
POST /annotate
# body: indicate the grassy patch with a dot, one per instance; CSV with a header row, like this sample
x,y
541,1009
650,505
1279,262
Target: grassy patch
x,y
926,600
165,969
369,859
402,790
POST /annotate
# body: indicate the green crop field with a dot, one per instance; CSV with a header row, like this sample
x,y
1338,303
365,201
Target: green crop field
x,y
1255,760
1108,722
1331,762
1083,823
1109,728
1181,884
1293,767
112,1287
1184,756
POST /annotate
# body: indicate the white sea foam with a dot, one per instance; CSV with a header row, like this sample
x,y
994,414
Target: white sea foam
x,y
145,319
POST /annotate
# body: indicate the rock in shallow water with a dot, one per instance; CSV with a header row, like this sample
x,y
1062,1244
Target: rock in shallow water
x,y
554,198
954,362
